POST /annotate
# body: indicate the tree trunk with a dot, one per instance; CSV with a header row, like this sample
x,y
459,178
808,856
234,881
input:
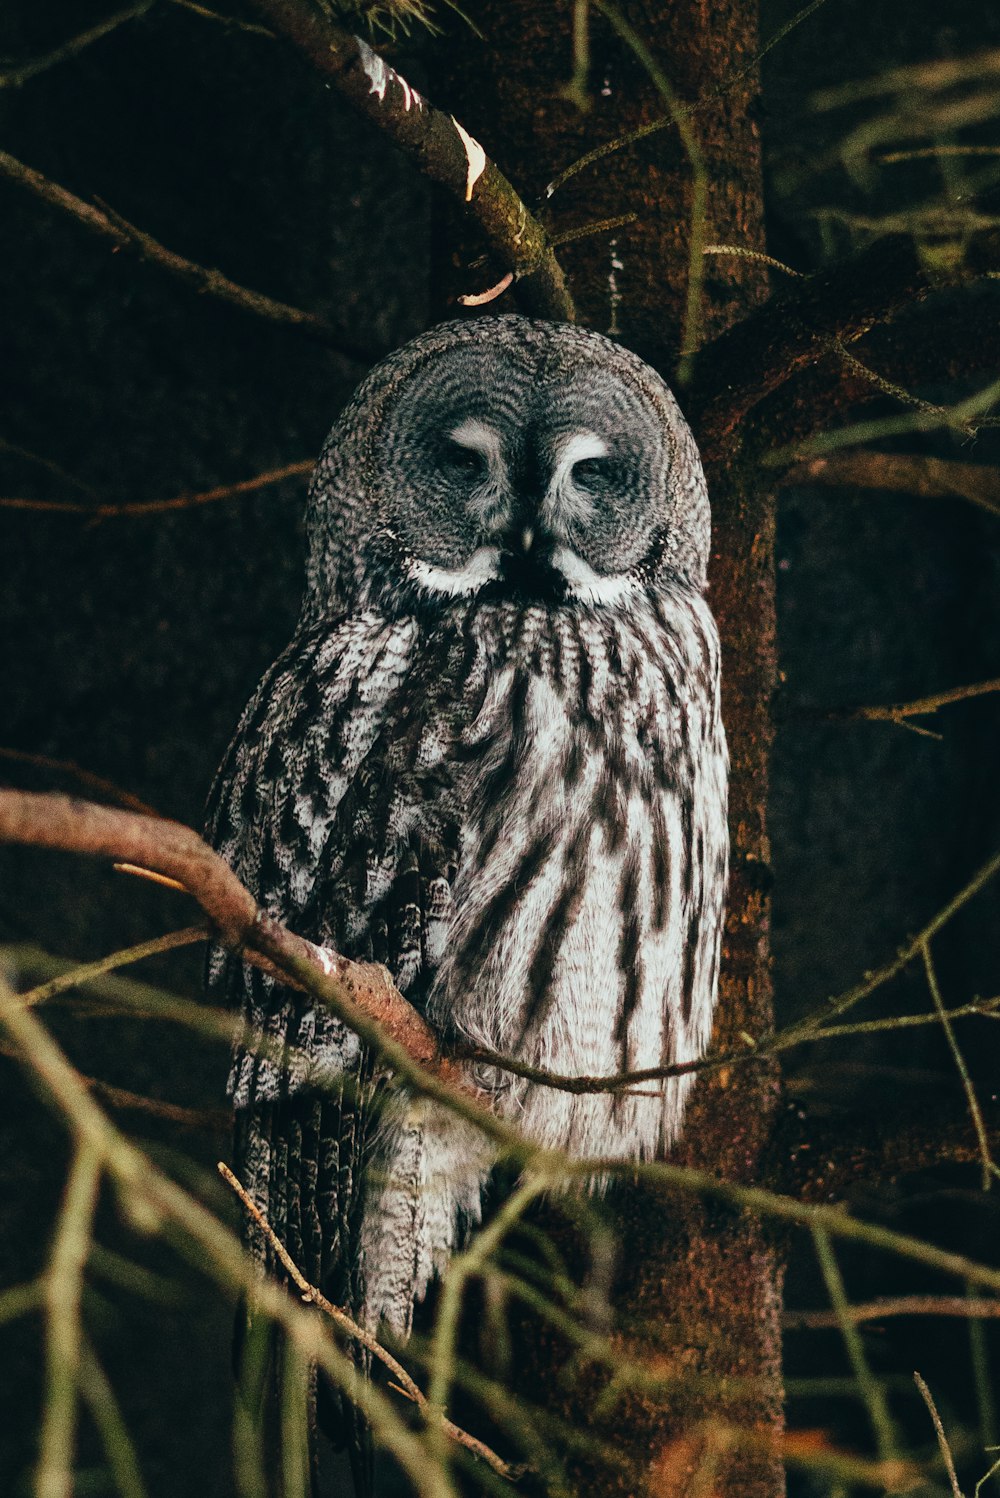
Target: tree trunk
x,y
699,1289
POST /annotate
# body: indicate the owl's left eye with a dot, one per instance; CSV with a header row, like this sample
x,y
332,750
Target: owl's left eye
x,y
459,459
595,473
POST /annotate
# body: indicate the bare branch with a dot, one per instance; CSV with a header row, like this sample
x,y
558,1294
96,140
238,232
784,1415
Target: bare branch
x,y
357,1333
441,148
160,506
901,1305
86,972
943,1446
812,1027
14,77
361,993
110,225
94,783
204,1120
795,327
898,712
903,473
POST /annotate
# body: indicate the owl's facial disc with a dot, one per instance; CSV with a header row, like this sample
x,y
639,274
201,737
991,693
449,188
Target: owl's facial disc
x,y
529,479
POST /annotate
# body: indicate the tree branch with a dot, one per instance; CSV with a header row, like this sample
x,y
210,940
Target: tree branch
x,y
900,1305
408,1386
362,993
110,225
898,712
14,77
185,501
902,473
794,328
96,784
439,145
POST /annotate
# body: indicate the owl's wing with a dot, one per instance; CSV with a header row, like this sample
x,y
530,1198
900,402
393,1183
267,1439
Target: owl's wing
x,y
331,809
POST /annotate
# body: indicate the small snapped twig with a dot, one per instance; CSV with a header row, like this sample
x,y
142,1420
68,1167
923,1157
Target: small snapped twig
x,y
105,222
898,712
350,1327
161,506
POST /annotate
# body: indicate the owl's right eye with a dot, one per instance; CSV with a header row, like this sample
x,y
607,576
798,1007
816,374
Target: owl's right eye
x,y
467,462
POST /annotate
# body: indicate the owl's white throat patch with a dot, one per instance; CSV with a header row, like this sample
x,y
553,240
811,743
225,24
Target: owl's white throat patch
x,y
482,567
583,583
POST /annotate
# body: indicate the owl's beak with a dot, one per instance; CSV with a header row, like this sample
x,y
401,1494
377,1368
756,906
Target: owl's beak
x,y
526,563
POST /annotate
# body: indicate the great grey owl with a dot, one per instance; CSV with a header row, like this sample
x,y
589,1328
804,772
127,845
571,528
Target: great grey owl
x,y
491,758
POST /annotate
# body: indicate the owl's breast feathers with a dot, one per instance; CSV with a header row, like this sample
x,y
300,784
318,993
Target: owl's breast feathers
x,y
522,811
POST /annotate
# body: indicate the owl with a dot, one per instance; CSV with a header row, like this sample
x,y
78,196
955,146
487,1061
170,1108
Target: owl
x,y
491,758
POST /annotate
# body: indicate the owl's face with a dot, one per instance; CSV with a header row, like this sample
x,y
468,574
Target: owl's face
x,y
506,458
523,474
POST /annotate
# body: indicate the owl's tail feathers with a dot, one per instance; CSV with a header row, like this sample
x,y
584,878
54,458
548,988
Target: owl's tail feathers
x,y
424,1194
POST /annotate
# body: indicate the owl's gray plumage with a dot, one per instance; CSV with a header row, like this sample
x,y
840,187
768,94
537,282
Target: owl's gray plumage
x,y
491,758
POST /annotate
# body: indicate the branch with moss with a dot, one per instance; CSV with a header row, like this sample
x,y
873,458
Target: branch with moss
x,y
439,145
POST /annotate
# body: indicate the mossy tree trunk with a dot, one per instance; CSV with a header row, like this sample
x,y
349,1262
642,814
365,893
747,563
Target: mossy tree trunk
x,y
699,1290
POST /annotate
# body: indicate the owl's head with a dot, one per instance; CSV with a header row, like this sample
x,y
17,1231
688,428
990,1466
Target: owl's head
x,y
511,458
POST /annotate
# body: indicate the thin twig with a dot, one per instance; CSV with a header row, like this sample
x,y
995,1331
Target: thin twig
x,y
348,1325
727,84
898,712
156,1201
99,1397
680,114
961,1306
942,1439
161,506
87,778
63,1292
110,225
871,1390
204,1120
74,481
462,1268
122,958
989,1169
14,77
903,473
232,23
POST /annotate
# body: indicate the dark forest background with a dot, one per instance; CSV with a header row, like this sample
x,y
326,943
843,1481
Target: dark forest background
x,y
128,646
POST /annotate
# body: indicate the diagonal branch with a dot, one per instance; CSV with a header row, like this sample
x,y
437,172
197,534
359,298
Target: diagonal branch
x,y
361,993
441,148
920,476
110,225
100,511
22,72
312,1296
793,330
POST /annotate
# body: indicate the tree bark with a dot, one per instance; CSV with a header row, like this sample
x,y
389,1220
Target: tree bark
x,y
699,1289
